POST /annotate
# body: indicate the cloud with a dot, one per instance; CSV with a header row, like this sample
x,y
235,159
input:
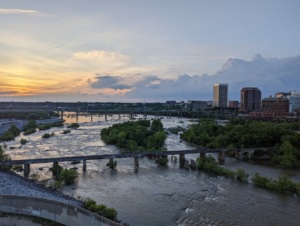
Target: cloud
x,y
110,82
100,61
19,11
100,56
8,93
269,75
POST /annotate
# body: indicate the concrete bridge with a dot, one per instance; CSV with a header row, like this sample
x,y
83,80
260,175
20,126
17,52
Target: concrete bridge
x,y
183,162
79,112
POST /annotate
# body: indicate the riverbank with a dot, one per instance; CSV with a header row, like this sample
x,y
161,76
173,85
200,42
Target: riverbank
x,y
13,184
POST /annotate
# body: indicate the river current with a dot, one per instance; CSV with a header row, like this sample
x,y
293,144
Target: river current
x,y
156,195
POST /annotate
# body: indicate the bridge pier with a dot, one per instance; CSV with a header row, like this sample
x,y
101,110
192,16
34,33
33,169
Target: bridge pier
x,y
26,170
203,156
91,118
119,116
105,117
186,164
77,116
246,156
136,162
181,160
112,164
221,157
84,165
193,164
62,115
238,155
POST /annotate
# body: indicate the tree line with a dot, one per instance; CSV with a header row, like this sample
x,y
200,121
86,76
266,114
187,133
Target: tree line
x,y
136,136
285,137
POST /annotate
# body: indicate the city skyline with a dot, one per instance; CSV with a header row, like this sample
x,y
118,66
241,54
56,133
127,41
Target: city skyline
x,y
133,51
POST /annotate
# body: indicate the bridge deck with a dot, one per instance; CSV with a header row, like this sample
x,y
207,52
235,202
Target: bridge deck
x,y
108,156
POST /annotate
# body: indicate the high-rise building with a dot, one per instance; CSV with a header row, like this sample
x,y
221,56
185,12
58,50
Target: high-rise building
x,y
250,99
220,95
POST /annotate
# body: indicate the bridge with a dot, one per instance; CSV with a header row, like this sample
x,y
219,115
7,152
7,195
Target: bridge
x,y
90,112
183,162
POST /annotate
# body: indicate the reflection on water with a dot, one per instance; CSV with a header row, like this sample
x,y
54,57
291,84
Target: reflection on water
x,y
159,195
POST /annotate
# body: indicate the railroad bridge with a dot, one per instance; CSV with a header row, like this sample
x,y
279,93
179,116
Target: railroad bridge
x,y
183,162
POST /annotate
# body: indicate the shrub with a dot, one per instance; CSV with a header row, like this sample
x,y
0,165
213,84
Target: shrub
x,y
68,176
162,161
23,141
73,125
241,175
46,136
66,131
101,209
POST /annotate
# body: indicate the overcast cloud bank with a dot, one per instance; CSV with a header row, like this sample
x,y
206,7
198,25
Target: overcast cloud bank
x,y
270,75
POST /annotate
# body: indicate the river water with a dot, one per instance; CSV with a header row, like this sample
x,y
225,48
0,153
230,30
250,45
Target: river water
x,y
156,195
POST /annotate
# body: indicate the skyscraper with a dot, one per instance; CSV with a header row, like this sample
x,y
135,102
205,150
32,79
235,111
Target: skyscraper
x,y
250,99
220,95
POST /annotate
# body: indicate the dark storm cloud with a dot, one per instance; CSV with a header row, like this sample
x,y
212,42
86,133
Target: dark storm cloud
x,y
111,82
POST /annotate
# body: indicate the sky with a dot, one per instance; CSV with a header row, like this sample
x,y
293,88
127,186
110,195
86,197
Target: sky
x,y
145,51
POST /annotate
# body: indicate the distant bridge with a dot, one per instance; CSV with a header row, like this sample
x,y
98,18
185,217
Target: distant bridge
x,y
78,112
84,158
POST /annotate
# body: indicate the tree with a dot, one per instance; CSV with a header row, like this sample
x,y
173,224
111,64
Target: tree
x,y
286,155
68,176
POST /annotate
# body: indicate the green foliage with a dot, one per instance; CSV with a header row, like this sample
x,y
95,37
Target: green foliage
x,y
10,134
286,155
29,131
66,131
44,127
162,161
73,125
56,169
68,176
101,209
31,124
23,141
37,116
18,168
136,136
241,175
50,125
30,127
247,134
47,135
4,157
283,184
250,134
211,166
56,184
176,130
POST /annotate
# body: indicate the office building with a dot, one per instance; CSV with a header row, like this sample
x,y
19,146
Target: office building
x,y
198,105
275,105
250,99
220,95
294,102
233,104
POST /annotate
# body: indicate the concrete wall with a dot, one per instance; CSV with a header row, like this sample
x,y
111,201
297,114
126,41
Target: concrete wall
x,y
49,209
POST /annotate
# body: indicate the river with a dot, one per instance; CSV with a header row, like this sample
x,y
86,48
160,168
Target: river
x,y
156,195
